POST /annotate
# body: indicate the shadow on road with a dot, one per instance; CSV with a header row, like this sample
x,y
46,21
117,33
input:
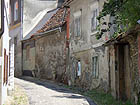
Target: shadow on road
x,y
57,88
71,96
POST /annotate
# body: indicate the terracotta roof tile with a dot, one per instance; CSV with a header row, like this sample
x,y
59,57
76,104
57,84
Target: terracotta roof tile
x,y
56,20
67,2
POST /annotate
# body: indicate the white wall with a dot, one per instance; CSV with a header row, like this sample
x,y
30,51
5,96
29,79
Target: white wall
x,y
5,44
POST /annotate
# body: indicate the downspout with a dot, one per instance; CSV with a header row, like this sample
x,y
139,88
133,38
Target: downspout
x,y
66,41
67,44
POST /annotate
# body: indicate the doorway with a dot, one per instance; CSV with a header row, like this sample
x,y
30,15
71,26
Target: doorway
x,y
123,83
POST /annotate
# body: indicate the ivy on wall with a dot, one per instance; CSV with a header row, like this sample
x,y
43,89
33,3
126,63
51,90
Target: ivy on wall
x,y
126,13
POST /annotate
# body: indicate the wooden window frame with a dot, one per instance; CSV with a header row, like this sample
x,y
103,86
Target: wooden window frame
x,y
94,21
4,79
12,13
77,25
6,69
5,74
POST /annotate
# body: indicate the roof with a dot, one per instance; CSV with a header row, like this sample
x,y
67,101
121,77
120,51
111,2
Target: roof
x,y
57,20
67,2
41,23
34,11
130,32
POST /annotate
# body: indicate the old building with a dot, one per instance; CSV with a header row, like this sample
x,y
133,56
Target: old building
x,y
4,51
124,65
44,53
88,58
34,11
15,24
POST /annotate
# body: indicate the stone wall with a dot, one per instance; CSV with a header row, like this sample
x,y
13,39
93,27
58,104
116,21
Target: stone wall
x,y
50,56
132,40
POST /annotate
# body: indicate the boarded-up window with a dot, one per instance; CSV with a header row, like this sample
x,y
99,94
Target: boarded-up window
x,y
94,21
27,52
95,67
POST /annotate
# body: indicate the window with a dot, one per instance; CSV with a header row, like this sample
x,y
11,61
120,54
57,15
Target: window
x,y
16,11
77,26
5,74
4,78
79,68
94,21
95,67
77,22
27,52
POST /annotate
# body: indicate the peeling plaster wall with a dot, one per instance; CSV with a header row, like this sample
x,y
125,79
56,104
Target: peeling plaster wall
x,y
29,61
85,47
50,56
134,74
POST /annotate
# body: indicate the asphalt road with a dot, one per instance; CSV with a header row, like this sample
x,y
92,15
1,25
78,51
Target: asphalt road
x,y
44,93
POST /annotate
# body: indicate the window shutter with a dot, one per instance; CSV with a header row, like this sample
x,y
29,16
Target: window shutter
x,y
94,21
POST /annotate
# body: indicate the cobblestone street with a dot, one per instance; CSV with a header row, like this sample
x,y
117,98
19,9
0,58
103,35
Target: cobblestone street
x,y
44,93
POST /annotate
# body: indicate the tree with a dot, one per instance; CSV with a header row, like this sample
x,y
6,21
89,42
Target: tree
x,y
126,13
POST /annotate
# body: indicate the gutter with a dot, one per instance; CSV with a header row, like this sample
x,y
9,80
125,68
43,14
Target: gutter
x,y
43,33
58,28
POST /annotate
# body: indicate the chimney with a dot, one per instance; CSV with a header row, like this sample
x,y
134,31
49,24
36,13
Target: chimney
x,y
60,2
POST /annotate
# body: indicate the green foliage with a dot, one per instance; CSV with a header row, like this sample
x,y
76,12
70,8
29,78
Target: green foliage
x,y
102,98
126,13
98,96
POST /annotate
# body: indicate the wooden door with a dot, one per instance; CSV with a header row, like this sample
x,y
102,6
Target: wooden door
x,y
123,73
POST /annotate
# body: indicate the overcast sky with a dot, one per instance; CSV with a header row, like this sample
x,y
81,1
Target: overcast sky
x,y
33,10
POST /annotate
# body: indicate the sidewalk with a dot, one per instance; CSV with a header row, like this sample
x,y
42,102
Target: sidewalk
x,y
18,97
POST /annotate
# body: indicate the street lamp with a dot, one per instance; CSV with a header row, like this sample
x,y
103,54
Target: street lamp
x,y
1,17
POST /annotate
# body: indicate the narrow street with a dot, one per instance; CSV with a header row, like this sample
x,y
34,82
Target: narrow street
x,y
44,93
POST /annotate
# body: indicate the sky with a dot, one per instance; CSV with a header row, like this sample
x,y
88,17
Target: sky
x,y
34,10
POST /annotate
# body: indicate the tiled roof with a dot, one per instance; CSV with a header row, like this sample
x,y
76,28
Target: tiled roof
x,y
67,2
57,20
130,32
41,23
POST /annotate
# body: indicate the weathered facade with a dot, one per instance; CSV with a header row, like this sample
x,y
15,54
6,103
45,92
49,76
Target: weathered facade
x,y
88,58
44,54
15,32
124,65
4,53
